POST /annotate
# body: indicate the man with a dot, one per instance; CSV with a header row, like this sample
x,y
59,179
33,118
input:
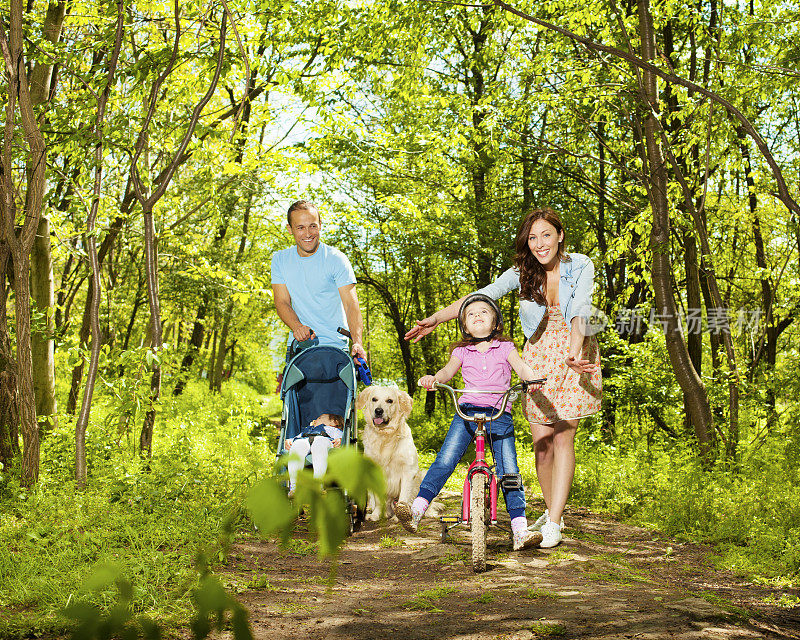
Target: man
x,y
314,285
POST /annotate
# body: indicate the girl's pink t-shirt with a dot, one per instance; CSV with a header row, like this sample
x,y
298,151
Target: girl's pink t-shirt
x,y
488,370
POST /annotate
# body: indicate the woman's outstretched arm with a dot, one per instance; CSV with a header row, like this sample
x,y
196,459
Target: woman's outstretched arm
x,y
423,327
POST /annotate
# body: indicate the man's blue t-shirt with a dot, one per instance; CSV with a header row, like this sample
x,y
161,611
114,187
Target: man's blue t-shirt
x,y
313,283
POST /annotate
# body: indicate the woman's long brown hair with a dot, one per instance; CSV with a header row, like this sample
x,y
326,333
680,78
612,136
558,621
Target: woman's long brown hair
x,y
532,276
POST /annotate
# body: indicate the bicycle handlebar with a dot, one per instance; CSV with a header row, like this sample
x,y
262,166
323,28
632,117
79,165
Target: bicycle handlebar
x,y
520,386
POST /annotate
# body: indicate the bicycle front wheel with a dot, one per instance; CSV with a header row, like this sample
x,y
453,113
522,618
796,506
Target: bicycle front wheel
x,y
477,514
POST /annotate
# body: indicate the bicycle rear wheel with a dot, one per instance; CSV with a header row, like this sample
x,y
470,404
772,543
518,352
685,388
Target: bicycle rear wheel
x,y
477,514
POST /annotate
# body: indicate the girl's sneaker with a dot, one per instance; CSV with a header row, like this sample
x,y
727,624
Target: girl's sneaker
x,y
551,534
407,516
525,539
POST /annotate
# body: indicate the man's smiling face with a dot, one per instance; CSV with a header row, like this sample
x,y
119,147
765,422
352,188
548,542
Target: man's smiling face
x,y
305,228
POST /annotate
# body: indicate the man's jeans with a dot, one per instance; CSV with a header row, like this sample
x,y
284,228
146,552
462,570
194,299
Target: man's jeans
x,y
500,434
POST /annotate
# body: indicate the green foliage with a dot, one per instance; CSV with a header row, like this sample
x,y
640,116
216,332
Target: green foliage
x,y
210,599
750,512
549,629
146,518
349,474
91,622
422,173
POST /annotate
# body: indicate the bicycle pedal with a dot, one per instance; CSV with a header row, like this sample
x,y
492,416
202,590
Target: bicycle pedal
x,y
450,519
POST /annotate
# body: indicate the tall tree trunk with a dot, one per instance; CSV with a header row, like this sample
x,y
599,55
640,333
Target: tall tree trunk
x,y
27,401
425,306
219,366
18,100
767,294
151,277
91,249
42,285
687,377
42,343
219,369
694,304
86,319
195,343
212,359
138,301
392,308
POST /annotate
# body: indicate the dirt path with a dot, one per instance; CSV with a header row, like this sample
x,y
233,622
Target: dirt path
x,y
607,580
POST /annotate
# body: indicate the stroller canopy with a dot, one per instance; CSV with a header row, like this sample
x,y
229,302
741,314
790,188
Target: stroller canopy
x,y
317,380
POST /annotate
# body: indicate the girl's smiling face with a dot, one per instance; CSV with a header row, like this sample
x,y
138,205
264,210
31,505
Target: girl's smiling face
x,y
543,240
479,319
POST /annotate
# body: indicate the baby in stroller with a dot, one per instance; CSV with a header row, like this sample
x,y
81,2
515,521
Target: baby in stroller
x,y
319,437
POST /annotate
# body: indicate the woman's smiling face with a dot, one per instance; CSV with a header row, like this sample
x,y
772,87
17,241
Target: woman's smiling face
x,y
543,239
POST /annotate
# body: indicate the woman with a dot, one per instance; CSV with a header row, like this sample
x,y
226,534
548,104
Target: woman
x,y
555,290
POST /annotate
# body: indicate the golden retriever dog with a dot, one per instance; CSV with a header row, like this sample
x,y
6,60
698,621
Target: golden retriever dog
x,y
388,442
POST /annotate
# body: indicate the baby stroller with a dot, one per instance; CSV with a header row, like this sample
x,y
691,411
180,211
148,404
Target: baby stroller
x,y
320,379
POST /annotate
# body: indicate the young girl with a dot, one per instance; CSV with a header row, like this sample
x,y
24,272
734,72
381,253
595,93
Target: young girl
x,y
319,437
486,358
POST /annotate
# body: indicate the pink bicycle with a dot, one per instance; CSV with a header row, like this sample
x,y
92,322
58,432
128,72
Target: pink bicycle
x,y
480,476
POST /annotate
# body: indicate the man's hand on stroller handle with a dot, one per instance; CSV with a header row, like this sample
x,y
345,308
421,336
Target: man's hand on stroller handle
x,y
303,333
357,350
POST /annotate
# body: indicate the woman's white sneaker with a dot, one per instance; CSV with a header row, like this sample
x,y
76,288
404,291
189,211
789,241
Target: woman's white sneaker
x,y
551,534
537,526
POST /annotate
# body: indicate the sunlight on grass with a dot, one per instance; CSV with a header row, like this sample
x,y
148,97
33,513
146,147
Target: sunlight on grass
x,y
388,542
429,600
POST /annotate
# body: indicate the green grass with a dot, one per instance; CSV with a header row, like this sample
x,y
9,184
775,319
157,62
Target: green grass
x,y
548,629
484,598
260,583
428,600
751,514
559,555
148,519
389,542
535,593
784,601
302,547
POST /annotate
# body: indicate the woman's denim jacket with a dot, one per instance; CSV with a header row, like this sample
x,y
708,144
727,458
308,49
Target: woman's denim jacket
x,y
574,292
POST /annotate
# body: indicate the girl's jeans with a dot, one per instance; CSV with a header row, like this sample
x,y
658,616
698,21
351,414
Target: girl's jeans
x,y
500,434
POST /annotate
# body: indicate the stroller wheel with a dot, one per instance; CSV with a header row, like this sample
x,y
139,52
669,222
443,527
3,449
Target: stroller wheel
x,y
356,517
